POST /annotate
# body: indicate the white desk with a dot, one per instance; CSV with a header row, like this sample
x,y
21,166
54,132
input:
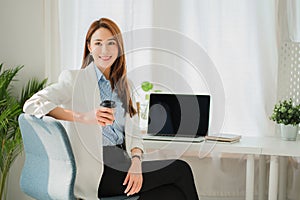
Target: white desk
x,y
247,145
263,146
276,147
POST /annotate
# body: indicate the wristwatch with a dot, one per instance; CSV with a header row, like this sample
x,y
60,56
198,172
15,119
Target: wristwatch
x,y
137,156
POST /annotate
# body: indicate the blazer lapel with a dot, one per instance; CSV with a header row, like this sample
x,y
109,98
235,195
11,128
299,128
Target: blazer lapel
x,y
92,85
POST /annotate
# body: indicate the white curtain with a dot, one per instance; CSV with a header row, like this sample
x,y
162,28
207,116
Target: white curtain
x,y
240,38
289,20
52,40
77,15
293,19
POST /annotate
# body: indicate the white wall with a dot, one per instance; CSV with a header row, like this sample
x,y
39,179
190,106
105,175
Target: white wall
x,y
22,43
22,37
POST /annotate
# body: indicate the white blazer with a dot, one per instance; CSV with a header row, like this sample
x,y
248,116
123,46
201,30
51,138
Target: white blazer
x,y
78,90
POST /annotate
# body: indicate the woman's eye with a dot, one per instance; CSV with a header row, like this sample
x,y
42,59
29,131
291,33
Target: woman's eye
x,y
98,44
112,43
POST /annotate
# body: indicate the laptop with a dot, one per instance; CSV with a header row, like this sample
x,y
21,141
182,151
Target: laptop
x,y
178,117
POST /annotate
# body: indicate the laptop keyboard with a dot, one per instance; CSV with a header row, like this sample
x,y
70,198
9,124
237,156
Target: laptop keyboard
x,y
168,135
178,135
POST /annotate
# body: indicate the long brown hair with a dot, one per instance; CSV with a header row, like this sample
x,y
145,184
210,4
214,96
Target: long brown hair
x,y
117,75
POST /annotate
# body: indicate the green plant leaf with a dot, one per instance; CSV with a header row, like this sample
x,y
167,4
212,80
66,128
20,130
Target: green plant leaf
x,y
285,112
31,88
147,86
6,77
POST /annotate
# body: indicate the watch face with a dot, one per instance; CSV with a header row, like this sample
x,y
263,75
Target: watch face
x,y
108,104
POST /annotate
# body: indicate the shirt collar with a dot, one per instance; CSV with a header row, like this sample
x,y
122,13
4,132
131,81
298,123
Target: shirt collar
x,y
99,74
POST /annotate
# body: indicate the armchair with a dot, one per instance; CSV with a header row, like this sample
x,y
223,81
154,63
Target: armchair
x,y
49,169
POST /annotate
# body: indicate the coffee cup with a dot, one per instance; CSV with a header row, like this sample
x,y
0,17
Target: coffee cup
x,y
108,104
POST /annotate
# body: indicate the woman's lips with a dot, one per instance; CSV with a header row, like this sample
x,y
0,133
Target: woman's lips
x,y
105,58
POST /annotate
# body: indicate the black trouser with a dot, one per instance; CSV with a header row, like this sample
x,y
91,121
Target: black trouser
x,y
163,179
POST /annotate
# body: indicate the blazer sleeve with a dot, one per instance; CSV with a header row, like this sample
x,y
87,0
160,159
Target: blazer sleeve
x,y
55,95
133,133
132,129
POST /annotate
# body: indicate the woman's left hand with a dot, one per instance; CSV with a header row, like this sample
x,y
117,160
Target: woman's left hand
x,y
134,178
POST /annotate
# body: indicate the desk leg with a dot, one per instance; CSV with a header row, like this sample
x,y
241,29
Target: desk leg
x,y
262,178
250,178
283,162
273,178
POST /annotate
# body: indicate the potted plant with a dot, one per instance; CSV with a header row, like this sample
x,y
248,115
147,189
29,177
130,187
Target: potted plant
x,y
287,114
10,109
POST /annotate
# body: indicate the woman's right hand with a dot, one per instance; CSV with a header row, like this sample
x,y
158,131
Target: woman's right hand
x,y
105,116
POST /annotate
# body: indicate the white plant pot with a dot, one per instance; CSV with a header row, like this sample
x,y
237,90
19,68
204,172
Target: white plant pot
x,y
289,132
144,109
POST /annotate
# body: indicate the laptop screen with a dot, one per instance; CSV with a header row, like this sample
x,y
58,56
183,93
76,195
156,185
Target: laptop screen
x,y
178,114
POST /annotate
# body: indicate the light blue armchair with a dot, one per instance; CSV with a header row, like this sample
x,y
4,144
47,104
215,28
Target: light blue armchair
x,y
49,170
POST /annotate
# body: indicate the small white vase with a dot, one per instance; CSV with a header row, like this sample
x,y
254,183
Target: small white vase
x,y
144,109
289,132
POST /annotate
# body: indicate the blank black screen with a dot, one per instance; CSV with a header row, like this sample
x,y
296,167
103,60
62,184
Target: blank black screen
x,y
178,114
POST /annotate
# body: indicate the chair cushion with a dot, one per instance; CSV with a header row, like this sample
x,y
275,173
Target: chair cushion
x,y
49,168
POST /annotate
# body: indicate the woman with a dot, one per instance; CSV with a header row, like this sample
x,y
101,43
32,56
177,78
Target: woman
x,y
75,99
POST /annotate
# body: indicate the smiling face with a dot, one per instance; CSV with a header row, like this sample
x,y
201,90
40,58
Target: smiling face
x,y
104,49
